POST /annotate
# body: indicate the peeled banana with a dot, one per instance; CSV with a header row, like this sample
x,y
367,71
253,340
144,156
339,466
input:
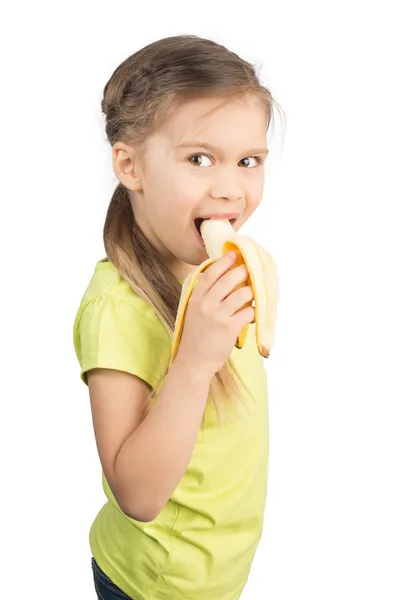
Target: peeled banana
x,y
220,237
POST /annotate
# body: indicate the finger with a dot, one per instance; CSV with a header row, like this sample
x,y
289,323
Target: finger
x,y
238,299
228,283
207,279
244,317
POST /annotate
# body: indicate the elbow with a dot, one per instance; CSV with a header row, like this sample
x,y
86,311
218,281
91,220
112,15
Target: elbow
x,y
143,516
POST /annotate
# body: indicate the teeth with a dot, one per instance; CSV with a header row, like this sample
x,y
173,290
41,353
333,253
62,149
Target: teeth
x,y
220,237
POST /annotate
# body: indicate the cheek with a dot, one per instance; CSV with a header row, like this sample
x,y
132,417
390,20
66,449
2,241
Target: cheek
x,y
251,207
254,190
254,197
176,203
184,191
183,179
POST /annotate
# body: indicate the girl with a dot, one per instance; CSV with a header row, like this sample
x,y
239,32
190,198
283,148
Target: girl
x,y
185,488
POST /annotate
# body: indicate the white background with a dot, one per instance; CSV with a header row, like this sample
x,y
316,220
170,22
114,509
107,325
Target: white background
x,y
329,218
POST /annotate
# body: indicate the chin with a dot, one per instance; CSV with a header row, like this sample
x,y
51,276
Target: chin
x,y
185,268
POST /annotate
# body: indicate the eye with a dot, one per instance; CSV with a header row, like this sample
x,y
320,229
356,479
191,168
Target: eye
x,y
258,159
197,155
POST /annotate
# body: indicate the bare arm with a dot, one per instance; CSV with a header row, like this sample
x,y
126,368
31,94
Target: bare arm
x,y
154,457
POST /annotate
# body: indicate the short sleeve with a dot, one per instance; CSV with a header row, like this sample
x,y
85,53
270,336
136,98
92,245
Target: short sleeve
x,y
111,333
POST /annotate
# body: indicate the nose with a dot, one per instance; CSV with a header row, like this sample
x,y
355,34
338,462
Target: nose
x,y
226,184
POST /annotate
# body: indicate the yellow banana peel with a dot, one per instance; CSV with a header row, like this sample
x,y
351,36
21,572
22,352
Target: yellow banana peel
x,y
220,237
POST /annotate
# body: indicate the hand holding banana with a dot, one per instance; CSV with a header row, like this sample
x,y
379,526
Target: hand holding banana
x,y
209,295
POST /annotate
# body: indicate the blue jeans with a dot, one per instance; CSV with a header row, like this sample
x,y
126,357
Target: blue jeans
x,y
105,588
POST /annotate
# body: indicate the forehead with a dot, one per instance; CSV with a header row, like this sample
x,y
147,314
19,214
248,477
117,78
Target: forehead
x,y
217,121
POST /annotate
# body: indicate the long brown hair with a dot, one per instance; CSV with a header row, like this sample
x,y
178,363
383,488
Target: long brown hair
x,y
139,97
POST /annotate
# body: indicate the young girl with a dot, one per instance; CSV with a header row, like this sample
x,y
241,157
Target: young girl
x,y
186,489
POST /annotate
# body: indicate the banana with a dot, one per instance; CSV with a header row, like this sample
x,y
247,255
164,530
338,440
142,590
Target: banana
x,y
220,237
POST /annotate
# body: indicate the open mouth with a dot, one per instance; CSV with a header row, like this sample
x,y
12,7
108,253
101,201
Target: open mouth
x,y
198,222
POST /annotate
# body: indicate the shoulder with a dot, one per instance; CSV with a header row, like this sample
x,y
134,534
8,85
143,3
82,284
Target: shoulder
x,y
107,287
114,325
107,280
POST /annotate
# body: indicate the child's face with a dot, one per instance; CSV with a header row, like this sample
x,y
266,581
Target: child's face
x,y
175,189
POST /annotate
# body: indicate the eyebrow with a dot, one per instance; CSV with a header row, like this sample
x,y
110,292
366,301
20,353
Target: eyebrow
x,y
193,144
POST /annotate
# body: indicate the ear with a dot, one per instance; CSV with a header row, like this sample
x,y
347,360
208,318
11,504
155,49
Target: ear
x,y
126,166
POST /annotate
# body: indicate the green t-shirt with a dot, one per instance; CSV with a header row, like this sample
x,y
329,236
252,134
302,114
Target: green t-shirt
x,y
202,544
